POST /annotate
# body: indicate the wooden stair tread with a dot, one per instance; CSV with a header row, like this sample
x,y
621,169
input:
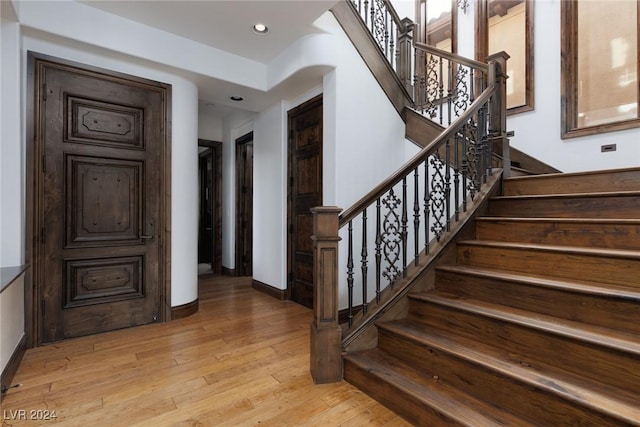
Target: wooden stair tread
x,y
620,341
575,250
576,174
578,286
564,384
427,388
567,195
624,221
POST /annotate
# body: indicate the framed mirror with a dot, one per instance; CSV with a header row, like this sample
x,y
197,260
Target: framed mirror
x,y
507,25
437,24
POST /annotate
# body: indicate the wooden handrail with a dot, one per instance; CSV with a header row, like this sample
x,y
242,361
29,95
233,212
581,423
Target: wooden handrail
x,y
452,57
416,160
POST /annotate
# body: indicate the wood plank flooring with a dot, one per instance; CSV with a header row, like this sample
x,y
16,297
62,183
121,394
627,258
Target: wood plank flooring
x,y
242,360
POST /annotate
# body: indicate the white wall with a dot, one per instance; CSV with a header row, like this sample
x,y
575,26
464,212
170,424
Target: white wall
x,y
270,196
537,132
11,151
11,188
234,126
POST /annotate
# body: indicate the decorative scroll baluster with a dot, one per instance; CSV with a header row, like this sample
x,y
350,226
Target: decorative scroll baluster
x,y
364,255
461,97
437,196
350,271
433,86
391,237
378,250
416,217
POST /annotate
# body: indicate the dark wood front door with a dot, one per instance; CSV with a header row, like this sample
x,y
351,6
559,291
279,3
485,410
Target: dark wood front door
x,y
99,262
305,192
244,220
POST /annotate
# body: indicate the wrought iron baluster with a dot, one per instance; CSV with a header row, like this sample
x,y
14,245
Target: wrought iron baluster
x,y
465,168
456,176
366,12
378,250
373,17
437,195
447,181
364,256
450,83
386,36
350,271
416,217
404,227
471,83
461,96
391,237
426,206
392,51
441,90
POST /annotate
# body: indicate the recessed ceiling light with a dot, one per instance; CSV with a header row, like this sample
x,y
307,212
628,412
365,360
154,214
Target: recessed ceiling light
x,y
236,98
260,29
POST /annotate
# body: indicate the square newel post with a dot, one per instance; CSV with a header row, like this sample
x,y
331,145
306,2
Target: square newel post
x,y
498,131
326,333
405,54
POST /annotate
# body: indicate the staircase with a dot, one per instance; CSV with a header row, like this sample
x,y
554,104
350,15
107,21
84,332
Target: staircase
x,y
537,321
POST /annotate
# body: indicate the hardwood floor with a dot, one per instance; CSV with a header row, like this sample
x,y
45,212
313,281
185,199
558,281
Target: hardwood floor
x,y
243,359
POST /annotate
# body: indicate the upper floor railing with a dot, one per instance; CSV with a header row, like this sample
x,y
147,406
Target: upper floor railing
x,y
384,24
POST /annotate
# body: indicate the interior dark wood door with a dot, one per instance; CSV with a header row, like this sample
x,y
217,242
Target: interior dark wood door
x,y
305,192
244,223
206,220
101,166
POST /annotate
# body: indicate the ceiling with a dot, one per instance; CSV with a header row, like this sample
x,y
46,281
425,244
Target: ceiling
x,y
227,25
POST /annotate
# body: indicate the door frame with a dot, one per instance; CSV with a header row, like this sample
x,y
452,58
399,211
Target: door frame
x,y
34,191
216,147
244,139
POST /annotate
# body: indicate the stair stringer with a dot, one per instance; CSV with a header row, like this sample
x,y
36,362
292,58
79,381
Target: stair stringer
x,y
363,335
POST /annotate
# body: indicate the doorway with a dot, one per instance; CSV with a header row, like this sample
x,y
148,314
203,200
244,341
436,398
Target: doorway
x,y
210,207
244,208
304,193
98,205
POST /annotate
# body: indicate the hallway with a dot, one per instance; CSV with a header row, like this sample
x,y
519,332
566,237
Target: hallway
x,y
243,359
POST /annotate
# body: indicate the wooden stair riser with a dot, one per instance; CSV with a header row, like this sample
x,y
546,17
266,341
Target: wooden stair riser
x,y
612,235
506,392
610,206
412,409
591,267
606,311
622,180
534,346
